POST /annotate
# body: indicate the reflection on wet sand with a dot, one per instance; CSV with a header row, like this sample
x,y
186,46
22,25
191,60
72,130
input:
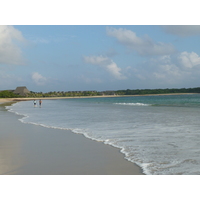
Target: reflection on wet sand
x,y
10,145
10,161
26,149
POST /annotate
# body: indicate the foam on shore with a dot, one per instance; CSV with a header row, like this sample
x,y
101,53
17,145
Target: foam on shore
x,y
34,150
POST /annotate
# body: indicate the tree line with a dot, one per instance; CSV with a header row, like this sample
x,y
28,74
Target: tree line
x,y
157,91
114,92
9,94
63,94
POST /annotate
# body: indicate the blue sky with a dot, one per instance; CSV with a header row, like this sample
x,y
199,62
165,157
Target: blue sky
x,y
99,57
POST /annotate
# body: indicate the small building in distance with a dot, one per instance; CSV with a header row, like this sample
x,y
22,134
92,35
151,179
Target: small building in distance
x,y
22,91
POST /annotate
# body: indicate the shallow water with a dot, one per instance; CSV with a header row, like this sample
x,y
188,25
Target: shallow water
x,y
159,133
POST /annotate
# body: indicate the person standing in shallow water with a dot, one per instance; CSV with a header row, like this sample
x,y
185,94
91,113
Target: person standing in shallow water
x,y
40,103
35,103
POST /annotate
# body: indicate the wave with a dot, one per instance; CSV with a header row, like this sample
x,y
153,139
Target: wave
x,y
133,104
24,117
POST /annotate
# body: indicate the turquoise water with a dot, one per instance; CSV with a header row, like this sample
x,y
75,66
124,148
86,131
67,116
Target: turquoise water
x,y
159,133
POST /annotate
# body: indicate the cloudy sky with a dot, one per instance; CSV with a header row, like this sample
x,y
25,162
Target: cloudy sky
x,y
99,57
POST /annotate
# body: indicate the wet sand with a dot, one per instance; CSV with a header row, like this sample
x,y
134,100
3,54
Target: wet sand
x,y
27,149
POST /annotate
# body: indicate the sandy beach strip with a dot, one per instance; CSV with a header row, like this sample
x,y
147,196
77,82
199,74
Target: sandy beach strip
x,y
2,100
27,149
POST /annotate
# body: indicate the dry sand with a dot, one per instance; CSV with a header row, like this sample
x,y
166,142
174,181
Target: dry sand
x,y
27,149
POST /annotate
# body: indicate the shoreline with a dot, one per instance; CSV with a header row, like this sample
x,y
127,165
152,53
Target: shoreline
x,y
137,170
27,149
2,100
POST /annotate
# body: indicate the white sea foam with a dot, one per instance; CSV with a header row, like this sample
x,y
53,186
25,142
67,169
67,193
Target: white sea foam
x,y
133,104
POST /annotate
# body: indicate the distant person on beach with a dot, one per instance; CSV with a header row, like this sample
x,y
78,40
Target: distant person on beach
x,y
40,102
35,103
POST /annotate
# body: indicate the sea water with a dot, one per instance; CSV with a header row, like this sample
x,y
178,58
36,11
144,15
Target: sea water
x,y
159,133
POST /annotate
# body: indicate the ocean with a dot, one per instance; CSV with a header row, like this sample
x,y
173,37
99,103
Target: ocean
x,y
161,134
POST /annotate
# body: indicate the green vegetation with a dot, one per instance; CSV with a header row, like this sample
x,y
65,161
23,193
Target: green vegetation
x,y
64,94
8,94
117,92
157,91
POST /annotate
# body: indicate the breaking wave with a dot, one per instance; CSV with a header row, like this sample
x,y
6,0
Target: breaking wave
x,y
133,104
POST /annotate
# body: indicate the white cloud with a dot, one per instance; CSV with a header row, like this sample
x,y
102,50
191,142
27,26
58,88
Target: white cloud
x,y
38,78
182,30
115,70
169,73
97,60
168,69
182,69
10,52
143,46
107,64
189,60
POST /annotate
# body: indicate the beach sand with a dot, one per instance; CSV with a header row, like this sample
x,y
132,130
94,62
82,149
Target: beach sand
x,y
27,149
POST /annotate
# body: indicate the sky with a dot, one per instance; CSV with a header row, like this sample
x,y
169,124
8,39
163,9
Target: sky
x,y
99,57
